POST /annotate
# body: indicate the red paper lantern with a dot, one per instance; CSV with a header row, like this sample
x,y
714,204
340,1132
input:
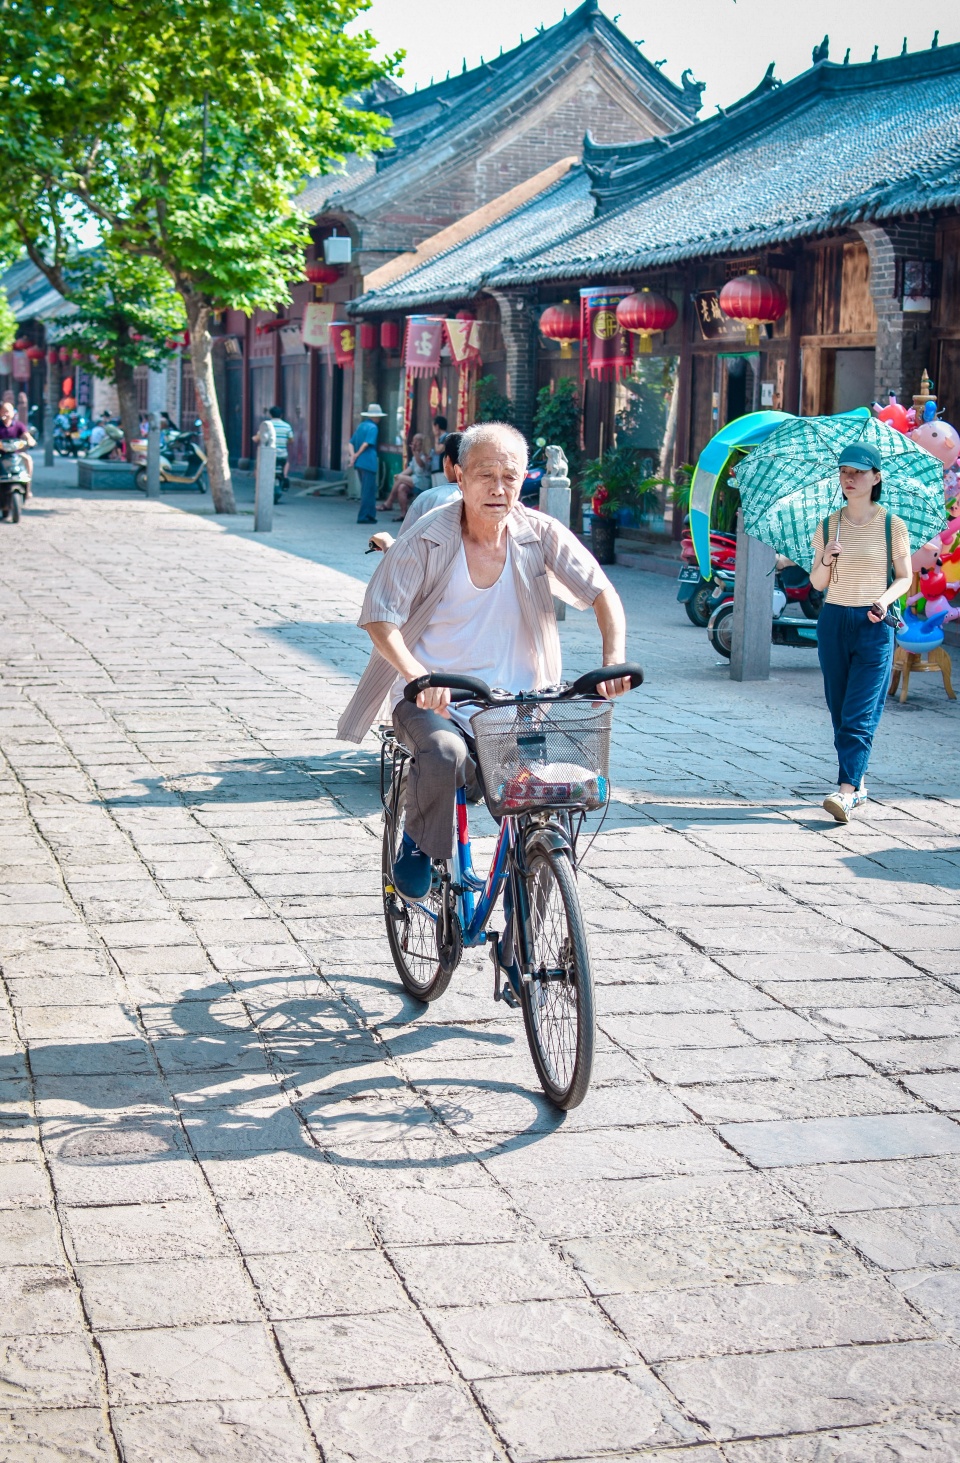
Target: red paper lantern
x,y
562,322
320,274
53,356
754,299
76,355
644,314
63,355
368,336
465,315
34,353
389,336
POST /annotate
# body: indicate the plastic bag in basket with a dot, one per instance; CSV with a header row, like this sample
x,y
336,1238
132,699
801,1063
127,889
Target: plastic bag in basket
x,y
554,784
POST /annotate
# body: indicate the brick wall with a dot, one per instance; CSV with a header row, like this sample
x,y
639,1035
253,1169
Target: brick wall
x,y
531,131
903,339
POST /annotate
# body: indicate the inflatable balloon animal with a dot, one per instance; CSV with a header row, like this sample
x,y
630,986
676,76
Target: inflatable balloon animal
x,y
939,439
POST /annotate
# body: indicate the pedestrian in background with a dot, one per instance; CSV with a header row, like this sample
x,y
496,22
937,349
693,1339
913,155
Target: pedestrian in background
x,y
282,431
861,557
363,456
432,498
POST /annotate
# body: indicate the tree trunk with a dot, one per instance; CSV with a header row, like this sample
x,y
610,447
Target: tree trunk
x,y
208,407
127,398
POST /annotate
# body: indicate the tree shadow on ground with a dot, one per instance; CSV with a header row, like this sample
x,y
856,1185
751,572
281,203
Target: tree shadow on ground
x,y
346,773
938,867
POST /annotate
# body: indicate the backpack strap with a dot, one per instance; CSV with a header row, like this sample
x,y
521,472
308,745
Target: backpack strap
x,y
825,532
888,533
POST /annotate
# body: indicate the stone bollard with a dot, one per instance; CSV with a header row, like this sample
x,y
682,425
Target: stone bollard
x,y
752,608
265,477
555,500
153,455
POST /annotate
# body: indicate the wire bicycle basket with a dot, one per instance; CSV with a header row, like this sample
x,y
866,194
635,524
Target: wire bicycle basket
x,y
544,754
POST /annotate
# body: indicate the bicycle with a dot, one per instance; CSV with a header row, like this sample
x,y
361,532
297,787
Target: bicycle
x,y
542,761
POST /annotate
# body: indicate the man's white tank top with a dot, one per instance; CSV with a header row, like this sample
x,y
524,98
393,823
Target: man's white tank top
x,y
478,632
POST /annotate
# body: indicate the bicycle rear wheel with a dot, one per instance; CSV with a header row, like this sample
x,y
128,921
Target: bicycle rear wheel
x,y
557,1000
411,933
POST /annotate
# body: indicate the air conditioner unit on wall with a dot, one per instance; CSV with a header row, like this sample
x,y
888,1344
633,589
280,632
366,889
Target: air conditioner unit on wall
x,y
338,249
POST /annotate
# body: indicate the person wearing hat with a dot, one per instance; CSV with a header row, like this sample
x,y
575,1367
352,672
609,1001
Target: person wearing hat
x,y
363,456
861,557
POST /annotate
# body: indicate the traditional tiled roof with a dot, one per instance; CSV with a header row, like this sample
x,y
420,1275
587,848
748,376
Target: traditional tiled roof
x,y
463,271
836,145
463,105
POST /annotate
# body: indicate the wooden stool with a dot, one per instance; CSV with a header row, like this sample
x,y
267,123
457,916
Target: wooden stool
x,y
906,662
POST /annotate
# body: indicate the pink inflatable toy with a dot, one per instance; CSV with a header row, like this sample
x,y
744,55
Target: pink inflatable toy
x,y
939,439
894,415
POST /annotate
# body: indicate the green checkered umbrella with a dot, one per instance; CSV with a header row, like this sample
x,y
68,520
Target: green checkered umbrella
x,y
791,482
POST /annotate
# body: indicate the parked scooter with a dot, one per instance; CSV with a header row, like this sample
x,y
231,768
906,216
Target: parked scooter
x,y
110,446
536,467
14,481
694,591
183,463
785,629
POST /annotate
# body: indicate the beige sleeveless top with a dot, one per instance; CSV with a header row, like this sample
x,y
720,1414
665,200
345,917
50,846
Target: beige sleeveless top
x,y
862,567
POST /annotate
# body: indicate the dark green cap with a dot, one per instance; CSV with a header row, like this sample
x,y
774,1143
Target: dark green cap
x,y
860,455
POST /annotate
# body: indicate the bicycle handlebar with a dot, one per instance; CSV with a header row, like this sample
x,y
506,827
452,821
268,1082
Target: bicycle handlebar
x,y
471,688
587,684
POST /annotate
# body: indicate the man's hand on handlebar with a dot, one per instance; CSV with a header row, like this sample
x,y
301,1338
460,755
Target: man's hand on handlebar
x,y
435,698
618,687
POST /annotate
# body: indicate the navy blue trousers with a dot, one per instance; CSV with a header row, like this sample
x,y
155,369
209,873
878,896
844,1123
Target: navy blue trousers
x,y
368,496
856,658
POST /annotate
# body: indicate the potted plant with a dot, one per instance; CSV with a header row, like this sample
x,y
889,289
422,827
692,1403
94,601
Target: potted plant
x,y
611,483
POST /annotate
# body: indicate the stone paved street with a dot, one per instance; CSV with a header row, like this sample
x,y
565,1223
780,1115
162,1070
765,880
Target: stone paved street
x,y
257,1205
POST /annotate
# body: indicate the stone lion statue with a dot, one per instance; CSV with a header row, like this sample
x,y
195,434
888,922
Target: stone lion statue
x,y
557,466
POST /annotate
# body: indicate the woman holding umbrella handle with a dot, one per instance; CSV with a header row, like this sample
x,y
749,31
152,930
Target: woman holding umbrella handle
x,y
861,557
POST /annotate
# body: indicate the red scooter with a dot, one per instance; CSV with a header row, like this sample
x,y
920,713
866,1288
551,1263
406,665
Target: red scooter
x,y
694,592
702,597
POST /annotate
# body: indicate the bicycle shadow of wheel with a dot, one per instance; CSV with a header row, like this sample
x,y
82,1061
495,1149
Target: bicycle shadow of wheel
x,y
279,1063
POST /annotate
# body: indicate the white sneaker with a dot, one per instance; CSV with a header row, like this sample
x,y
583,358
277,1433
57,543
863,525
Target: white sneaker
x,y
860,796
840,805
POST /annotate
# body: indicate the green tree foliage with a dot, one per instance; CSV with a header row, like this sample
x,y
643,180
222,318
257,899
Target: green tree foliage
x,y
557,419
186,128
128,314
8,324
491,404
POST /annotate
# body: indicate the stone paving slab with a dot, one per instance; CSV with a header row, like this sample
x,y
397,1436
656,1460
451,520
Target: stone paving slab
x,y
258,1205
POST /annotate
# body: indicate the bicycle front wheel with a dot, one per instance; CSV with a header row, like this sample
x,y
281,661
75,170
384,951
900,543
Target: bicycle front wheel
x,y
411,933
558,1005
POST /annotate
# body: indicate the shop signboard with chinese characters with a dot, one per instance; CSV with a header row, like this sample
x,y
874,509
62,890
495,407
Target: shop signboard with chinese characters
x,y
291,339
609,348
714,324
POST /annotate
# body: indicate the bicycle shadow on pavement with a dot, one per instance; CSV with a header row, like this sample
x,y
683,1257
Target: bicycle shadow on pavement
x,y
306,1076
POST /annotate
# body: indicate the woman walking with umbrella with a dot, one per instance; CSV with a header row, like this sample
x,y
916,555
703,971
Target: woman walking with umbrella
x,y
864,566
846,496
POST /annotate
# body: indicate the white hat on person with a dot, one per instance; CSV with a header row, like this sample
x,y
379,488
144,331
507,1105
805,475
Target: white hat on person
x,y
374,410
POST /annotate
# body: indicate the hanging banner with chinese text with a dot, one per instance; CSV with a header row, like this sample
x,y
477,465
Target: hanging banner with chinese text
x,y
609,348
343,338
714,325
423,344
317,319
463,337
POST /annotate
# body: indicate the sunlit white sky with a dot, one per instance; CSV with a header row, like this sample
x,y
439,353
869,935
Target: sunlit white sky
x,y
727,43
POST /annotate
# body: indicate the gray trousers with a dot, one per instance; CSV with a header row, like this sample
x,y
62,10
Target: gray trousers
x,y
439,765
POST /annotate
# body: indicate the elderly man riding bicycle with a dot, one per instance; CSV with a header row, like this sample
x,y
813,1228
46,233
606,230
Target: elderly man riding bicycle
x,y
470,590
